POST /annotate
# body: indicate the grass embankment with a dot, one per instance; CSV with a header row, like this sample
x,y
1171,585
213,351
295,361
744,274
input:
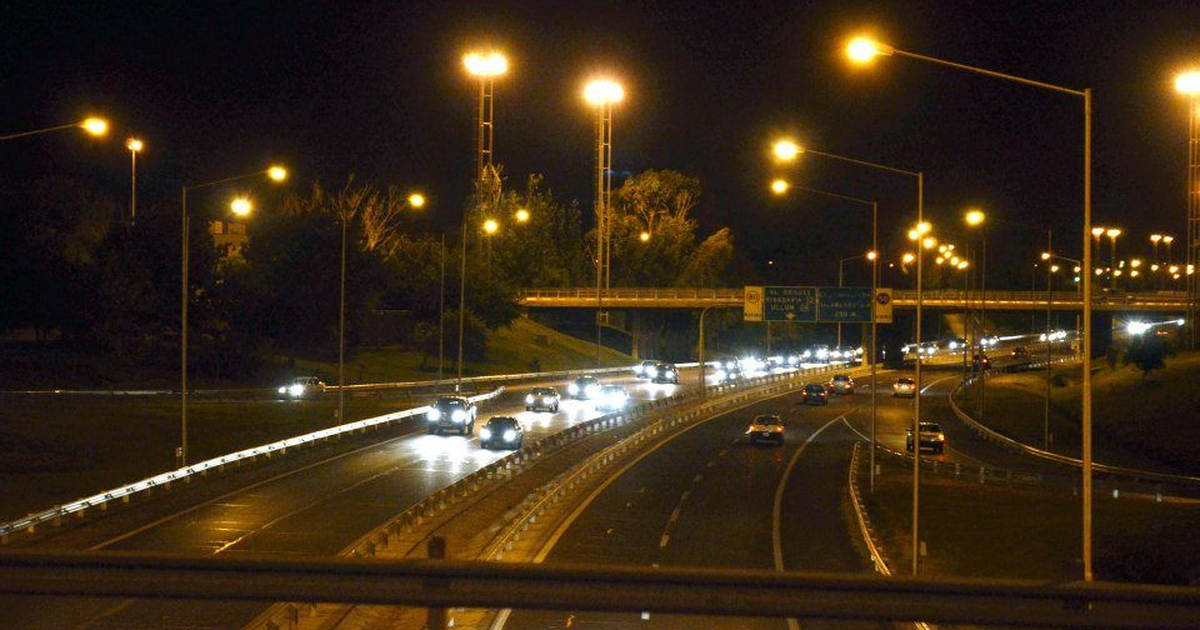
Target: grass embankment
x,y
1152,424
510,350
973,530
58,448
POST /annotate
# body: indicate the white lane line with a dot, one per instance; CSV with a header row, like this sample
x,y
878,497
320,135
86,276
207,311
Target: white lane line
x,y
777,511
686,494
674,515
662,542
697,478
723,452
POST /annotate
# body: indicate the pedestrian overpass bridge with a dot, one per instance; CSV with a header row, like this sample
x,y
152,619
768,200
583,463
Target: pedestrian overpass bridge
x,y
693,298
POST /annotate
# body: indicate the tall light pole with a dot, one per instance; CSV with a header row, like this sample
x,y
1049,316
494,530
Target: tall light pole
x,y
1167,239
1112,234
872,256
93,126
602,94
485,67
863,50
274,173
135,146
788,151
1188,84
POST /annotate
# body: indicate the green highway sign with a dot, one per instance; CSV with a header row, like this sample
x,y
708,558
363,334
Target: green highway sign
x,y
845,305
809,304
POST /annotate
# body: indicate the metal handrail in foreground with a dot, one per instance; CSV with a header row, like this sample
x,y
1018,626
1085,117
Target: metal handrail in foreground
x,y
724,591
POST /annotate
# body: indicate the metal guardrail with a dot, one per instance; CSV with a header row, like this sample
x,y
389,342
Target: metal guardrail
x,y
719,591
1011,444
164,480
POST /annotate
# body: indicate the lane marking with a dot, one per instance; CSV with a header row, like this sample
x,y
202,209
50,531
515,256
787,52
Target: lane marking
x,y
777,510
662,542
697,478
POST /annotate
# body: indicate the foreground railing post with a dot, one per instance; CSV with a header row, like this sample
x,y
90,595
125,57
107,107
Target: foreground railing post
x,y
436,618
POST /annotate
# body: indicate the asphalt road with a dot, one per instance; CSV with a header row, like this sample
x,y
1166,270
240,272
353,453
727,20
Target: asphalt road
x,y
710,499
315,511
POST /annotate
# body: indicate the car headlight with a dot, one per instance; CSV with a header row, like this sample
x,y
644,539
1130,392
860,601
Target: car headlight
x,y
654,373
458,415
283,390
545,400
485,434
433,414
573,388
719,375
296,390
591,390
510,435
529,399
941,437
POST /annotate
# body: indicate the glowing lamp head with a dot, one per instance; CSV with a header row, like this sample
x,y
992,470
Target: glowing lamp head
x,y
862,50
416,200
975,217
908,258
872,255
603,92
929,242
1113,232
1135,263
786,150
492,64
1097,232
644,237
1188,83
95,126
135,145
1046,255
962,264
241,207
780,186
522,216
924,228
277,173
1155,238
1053,268
1168,239
490,226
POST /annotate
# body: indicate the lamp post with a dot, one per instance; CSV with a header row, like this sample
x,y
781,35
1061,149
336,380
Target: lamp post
x,y
1188,84
93,126
274,173
135,146
602,94
1112,234
787,151
863,50
485,67
872,256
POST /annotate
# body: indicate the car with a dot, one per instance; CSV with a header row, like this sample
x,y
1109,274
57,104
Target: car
x,y
542,399
904,388
726,370
642,369
584,388
768,428
978,360
502,432
664,372
819,353
815,394
612,398
841,384
957,344
454,413
1020,352
931,438
302,387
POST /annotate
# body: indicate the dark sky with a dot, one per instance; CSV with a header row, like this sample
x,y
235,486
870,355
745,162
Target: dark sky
x,y
378,89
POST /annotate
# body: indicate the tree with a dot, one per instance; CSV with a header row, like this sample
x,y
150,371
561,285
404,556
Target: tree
x,y
706,266
652,195
1147,353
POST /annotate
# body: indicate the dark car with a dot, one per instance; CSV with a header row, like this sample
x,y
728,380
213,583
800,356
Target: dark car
x,y
453,413
1020,352
542,399
768,428
502,432
904,387
841,384
584,388
931,438
815,394
663,372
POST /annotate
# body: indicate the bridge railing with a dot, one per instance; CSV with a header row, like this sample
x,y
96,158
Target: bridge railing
x,y
651,294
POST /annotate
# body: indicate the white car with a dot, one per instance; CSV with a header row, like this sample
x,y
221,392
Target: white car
x,y
611,398
766,429
904,388
302,387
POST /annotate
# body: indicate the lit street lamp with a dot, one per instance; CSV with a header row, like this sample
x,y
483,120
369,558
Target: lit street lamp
x,y
780,186
484,67
97,127
1188,84
1112,234
863,51
274,173
135,146
602,94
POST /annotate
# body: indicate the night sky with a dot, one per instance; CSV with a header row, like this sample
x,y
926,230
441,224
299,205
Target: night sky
x,y
378,89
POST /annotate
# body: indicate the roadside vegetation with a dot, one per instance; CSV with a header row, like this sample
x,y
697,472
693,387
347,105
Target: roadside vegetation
x,y
1140,420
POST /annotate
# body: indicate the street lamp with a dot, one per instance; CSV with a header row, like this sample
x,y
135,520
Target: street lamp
x,y
1112,234
602,94
135,146
1188,84
780,186
97,127
241,207
644,237
862,50
416,200
484,67
522,216
275,173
